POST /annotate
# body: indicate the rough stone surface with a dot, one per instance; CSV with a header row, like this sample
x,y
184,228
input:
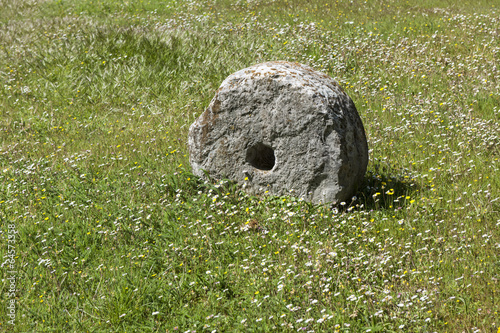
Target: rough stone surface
x,y
284,128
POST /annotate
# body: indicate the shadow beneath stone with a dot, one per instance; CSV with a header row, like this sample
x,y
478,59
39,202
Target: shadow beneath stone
x,y
385,187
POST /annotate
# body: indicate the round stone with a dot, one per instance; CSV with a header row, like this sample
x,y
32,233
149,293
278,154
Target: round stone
x,y
282,128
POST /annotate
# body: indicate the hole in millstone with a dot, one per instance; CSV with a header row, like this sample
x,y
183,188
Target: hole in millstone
x,y
261,156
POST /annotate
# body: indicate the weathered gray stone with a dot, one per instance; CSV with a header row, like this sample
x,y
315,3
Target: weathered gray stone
x,y
284,128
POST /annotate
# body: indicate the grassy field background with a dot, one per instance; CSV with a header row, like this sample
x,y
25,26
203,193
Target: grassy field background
x,y
109,231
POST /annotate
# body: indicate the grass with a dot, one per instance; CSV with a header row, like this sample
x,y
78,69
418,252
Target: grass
x,y
109,231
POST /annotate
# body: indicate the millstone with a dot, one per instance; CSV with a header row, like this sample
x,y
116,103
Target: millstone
x,y
282,128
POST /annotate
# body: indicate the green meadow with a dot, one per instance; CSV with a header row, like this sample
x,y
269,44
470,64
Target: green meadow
x,y
103,227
